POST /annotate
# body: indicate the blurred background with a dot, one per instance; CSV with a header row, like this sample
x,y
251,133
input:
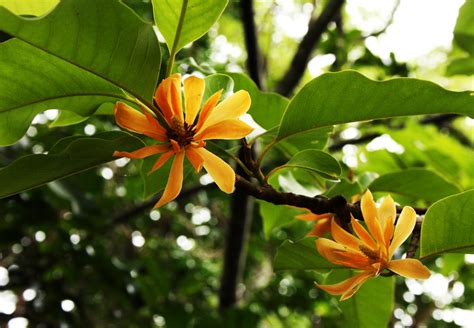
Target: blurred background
x,y
87,251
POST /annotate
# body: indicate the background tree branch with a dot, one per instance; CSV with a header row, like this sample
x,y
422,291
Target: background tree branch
x,y
301,58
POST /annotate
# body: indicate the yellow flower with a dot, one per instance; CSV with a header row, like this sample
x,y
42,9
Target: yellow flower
x,y
187,132
322,223
371,251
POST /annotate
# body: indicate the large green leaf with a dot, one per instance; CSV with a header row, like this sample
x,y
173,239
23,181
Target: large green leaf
x,y
448,226
371,306
416,183
315,161
464,30
343,97
183,21
104,37
69,156
300,255
463,66
32,80
29,7
267,108
274,216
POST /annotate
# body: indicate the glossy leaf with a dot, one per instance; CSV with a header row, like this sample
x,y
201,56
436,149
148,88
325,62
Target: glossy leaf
x,y
105,38
183,21
448,226
416,183
69,156
44,82
371,306
464,29
29,7
315,161
267,108
275,216
216,82
343,97
300,255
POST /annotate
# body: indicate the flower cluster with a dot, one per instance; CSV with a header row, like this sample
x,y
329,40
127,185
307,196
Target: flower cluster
x,y
371,250
186,130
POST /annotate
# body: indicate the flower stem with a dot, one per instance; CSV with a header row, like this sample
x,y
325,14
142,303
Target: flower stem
x,y
174,48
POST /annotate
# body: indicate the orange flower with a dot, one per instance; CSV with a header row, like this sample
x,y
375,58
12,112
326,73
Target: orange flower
x,y
371,251
187,132
321,225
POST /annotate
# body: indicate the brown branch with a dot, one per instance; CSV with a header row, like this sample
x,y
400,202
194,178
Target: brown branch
x,y
254,57
300,60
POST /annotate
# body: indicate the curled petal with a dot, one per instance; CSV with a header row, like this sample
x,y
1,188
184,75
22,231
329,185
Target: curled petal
x,y
338,254
228,129
410,268
194,158
320,228
193,93
363,234
313,217
231,108
405,224
168,97
132,120
347,287
387,209
343,237
388,233
175,181
369,212
221,172
142,152
208,107
161,161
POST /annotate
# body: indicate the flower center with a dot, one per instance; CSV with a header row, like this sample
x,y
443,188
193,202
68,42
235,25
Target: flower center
x,y
181,132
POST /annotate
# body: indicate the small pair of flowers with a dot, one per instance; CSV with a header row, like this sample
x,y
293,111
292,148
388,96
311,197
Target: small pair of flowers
x,y
370,250
187,128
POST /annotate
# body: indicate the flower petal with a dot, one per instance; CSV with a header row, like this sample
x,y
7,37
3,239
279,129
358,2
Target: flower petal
x,y
388,233
168,97
175,181
231,108
132,120
194,158
206,110
410,268
363,234
193,93
321,227
343,237
369,212
313,217
161,161
347,287
228,129
338,254
405,224
387,209
221,172
142,152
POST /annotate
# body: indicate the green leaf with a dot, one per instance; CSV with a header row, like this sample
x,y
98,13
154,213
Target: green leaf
x,y
464,29
275,216
103,37
461,66
69,156
29,7
315,161
44,82
300,255
416,183
343,97
183,21
448,226
344,188
66,118
371,306
216,82
267,108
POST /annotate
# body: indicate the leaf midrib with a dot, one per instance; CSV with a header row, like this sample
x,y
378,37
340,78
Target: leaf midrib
x,y
97,74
